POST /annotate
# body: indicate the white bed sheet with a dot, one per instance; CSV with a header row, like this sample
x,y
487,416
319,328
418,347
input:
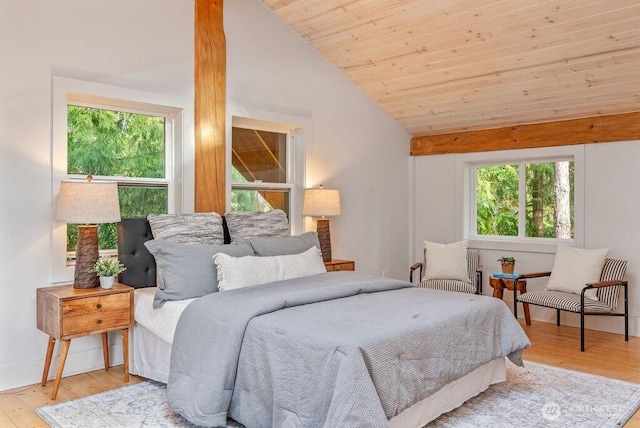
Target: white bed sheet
x,y
150,355
160,321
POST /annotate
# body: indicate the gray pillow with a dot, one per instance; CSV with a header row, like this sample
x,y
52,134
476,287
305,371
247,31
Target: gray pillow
x,y
187,270
195,228
283,246
267,224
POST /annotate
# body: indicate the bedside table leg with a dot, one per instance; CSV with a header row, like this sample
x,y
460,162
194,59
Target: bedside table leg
x,y
47,360
125,352
63,359
105,350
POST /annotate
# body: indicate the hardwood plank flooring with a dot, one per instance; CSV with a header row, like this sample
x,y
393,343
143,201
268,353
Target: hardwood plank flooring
x,y
606,355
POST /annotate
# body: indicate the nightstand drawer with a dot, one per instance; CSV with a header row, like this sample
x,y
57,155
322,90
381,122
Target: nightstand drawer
x,y
95,313
337,265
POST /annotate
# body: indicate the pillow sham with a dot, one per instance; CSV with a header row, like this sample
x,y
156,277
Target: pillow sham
x,y
446,261
187,270
195,228
280,246
246,224
573,268
239,272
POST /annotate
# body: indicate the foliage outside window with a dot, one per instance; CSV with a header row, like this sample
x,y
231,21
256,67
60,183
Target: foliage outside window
x,y
119,146
525,199
260,174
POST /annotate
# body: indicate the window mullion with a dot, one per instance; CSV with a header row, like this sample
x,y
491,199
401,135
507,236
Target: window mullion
x,y
473,218
522,199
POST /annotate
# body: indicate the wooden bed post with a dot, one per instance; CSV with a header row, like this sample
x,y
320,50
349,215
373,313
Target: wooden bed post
x,y
210,107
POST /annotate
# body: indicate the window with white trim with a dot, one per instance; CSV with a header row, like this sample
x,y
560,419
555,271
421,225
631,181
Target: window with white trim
x,y
262,166
128,147
523,199
114,134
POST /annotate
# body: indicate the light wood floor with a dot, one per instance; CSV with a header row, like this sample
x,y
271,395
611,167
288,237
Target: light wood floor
x,y
606,355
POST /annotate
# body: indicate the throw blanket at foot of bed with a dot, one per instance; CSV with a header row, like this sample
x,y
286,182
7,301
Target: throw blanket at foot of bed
x,y
336,349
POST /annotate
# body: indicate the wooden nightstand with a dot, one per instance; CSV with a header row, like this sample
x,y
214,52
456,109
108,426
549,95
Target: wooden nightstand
x,y
337,264
64,313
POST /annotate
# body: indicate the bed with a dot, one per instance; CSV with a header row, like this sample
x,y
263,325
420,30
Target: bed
x,y
343,349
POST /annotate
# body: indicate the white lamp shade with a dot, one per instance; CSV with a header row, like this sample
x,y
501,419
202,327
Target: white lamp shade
x,y
88,202
321,202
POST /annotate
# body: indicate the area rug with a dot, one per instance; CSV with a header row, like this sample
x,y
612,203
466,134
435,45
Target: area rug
x,y
534,396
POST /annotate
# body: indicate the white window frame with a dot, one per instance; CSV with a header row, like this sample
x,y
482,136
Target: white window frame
x,y
67,92
298,130
466,165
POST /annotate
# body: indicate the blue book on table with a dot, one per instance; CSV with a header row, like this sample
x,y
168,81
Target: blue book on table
x,y
506,275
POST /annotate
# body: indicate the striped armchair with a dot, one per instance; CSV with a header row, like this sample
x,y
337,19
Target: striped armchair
x,y
608,292
473,268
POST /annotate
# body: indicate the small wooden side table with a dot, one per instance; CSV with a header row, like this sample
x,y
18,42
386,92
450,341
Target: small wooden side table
x,y
515,285
64,313
337,264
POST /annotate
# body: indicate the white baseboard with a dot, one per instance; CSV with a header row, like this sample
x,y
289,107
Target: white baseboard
x,y
81,361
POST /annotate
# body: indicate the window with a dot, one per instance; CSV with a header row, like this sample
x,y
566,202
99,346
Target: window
x,y
126,147
261,167
114,134
525,199
507,201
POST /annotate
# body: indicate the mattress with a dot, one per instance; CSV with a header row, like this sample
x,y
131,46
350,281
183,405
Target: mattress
x,y
152,335
160,321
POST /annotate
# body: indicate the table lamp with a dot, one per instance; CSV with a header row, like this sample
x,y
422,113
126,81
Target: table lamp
x,y
321,202
87,203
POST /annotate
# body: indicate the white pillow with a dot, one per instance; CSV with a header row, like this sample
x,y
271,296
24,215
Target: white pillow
x,y
574,267
238,272
446,261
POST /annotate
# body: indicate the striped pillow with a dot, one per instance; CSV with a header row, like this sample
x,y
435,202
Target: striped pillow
x,y
257,224
197,228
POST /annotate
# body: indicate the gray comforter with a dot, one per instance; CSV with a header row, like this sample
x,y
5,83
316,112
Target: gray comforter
x,y
337,349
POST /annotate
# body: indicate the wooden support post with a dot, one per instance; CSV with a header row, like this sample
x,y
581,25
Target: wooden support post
x,y
210,107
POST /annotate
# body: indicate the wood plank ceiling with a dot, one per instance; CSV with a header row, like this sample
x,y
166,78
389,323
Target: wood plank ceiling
x,y
445,66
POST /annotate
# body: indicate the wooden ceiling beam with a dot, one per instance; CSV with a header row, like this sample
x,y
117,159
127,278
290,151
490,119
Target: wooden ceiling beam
x,y
601,129
210,107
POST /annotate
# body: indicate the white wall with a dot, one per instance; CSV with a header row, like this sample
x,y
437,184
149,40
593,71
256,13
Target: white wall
x,y
610,205
355,146
148,45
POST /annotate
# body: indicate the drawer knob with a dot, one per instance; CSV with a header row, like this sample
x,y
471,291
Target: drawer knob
x,y
99,305
99,321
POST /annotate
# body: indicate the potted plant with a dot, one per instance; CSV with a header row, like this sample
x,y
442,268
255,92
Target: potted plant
x,y
107,269
507,264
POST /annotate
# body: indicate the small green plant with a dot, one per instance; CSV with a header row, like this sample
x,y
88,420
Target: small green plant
x,y
107,267
507,260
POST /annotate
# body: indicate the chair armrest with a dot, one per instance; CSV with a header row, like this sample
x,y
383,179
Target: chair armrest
x,y
533,275
600,284
413,268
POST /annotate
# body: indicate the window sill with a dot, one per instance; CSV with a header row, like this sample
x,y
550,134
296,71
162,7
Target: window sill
x,y
519,245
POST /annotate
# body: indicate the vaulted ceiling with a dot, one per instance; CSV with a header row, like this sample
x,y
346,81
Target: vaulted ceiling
x,y
443,66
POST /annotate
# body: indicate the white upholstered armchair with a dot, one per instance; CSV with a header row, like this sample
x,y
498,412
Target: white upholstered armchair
x,y
471,284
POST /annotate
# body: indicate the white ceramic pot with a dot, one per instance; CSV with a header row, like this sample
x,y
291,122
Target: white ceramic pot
x,y
107,281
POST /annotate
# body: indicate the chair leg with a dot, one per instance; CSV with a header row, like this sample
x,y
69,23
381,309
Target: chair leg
x,y
626,327
581,331
557,317
626,313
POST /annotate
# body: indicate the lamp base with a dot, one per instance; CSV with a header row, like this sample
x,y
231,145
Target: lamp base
x,y
86,256
324,236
